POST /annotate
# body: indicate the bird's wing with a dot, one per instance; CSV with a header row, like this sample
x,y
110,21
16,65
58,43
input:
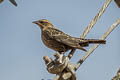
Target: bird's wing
x,y
13,2
65,38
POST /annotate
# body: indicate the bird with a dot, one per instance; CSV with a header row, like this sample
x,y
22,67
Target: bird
x,y
61,42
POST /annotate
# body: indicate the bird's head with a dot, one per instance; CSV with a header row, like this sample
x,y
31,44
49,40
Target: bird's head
x,y
43,23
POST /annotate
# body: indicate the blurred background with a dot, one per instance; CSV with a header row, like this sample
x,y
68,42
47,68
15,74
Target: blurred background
x,y
21,48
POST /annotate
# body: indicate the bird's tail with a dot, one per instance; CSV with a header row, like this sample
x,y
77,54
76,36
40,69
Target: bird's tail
x,y
96,41
86,42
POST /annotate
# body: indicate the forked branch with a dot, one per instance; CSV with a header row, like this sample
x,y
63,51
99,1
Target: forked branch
x,y
92,23
96,45
117,76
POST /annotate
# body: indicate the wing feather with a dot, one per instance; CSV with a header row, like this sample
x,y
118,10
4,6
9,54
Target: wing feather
x,y
65,38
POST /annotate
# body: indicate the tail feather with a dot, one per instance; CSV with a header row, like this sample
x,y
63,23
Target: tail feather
x,y
81,48
86,42
96,41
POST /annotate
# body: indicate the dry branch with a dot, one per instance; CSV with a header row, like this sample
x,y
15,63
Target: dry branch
x,y
89,27
96,45
92,23
117,77
63,71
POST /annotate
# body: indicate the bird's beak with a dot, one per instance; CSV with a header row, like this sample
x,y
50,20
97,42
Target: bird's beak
x,y
38,23
35,22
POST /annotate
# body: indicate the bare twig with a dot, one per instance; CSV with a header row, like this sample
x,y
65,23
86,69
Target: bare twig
x,y
96,45
117,77
92,23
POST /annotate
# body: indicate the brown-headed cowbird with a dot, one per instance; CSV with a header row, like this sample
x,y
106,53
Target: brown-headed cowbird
x,y
60,41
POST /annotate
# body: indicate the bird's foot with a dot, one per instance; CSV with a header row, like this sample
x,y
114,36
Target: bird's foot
x,y
59,57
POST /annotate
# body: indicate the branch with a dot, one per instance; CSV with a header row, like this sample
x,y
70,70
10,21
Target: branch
x,y
117,77
96,45
64,70
92,23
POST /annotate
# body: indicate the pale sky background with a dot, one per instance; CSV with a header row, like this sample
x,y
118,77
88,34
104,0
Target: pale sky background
x,y
21,48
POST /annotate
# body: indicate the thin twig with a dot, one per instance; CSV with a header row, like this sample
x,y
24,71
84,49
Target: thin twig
x,y
117,76
96,45
92,23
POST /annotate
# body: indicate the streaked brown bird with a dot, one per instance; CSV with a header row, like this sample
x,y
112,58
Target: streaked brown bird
x,y
60,41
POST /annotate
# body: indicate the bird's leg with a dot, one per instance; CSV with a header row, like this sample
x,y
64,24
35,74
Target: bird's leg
x,y
61,57
71,53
